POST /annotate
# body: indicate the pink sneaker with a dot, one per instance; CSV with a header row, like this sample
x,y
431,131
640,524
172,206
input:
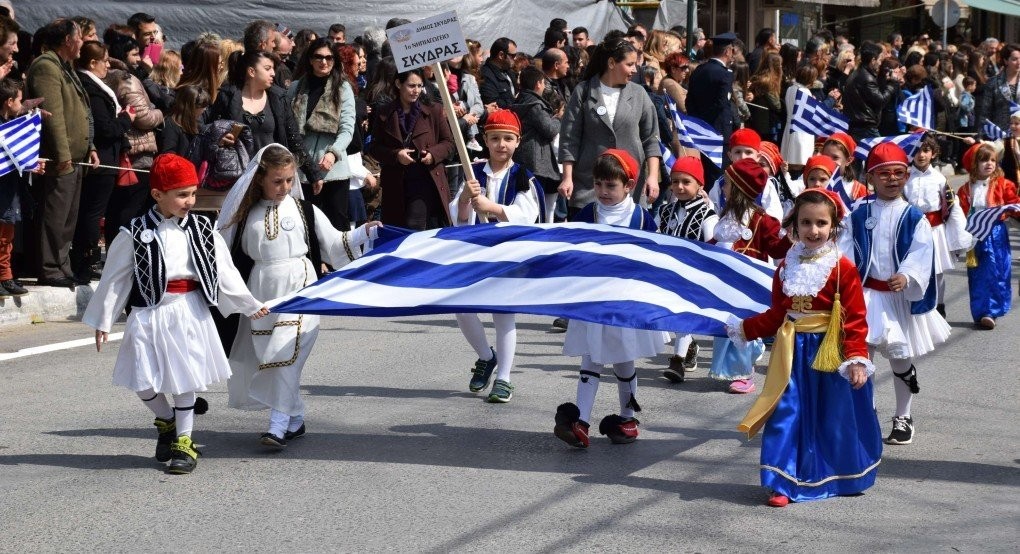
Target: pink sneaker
x,y
742,386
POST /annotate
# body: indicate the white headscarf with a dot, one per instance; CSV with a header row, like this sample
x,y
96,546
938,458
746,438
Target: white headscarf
x,y
233,199
105,88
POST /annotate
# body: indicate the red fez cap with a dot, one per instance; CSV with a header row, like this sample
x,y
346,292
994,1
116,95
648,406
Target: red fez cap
x,y
691,166
970,156
770,151
885,154
833,197
503,120
844,140
170,171
820,161
748,176
630,165
745,137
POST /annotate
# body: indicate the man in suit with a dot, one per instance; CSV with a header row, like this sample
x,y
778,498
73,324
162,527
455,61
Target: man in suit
x,y
708,95
65,140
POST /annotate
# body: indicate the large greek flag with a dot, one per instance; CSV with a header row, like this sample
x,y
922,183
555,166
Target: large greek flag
x,y
916,109
909,143
696,134
814,118
980,222
598,273
19,143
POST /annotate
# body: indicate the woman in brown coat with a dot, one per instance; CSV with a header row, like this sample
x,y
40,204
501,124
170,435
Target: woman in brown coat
x,y
410,140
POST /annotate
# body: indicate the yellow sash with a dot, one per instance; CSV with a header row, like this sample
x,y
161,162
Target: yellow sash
x,y
780,367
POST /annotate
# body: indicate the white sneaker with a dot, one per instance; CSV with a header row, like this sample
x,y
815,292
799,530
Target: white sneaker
x,y
473,145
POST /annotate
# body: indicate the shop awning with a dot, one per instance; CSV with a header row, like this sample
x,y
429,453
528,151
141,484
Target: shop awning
x,y
854,3
1008,7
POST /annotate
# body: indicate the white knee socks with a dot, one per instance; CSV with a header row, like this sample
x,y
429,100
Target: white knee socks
x,y
184,411
903,395
278,422
940,287
587,387
681,344
626,387
506,340
506,344
157,403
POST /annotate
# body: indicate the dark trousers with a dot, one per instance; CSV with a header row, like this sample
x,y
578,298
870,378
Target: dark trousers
x,y
95,195
59,216
126,203
334,201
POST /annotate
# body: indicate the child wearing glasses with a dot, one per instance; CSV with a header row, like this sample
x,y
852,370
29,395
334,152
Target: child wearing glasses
x,y
890,242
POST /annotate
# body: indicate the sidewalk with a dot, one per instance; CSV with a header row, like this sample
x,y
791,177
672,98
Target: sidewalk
x,y
43,304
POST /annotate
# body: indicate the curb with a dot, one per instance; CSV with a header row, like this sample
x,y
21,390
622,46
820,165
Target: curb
x,y
43,304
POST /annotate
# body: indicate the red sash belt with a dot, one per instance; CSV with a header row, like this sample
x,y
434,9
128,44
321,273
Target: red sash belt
x,y
876,284
935,218
181,286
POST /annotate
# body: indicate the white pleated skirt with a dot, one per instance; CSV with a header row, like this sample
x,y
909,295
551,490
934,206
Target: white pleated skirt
x,y
898,334
171,348
611,345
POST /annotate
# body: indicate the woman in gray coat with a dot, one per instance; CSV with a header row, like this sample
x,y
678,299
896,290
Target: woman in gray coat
x,y
608,110
323,104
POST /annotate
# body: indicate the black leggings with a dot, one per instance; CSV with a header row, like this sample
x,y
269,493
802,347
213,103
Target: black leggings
x,y
95,195
334,201
126,203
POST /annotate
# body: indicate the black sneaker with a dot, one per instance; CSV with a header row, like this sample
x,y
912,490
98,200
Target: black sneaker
x,y
482,372
12,288
902,431
675,371
183,457
560,323
691,358
167,429
290,435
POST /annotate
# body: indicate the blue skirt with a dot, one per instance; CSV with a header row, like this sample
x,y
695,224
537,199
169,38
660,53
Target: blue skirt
x,y
730,363
823,438
990,292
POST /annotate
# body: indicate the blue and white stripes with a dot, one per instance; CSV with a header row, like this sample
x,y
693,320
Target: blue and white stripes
x,y
696,134
917,109
597,273
909,143
992,131
19,143
814,118
980,222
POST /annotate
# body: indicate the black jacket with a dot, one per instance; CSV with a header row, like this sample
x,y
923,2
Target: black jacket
x,y
864,97
110,127
286,131
708,97
496,85
994,103
172,138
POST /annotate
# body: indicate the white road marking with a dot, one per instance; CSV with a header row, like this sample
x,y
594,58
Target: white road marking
x,y
57,346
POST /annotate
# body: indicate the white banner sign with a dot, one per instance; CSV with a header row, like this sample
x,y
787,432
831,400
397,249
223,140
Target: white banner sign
x,y
427,41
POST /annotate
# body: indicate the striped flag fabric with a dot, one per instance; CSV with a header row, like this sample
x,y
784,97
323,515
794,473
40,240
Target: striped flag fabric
x,y
909,143
668,158
19,143
814,118
1013,107
992,131
597,273
840,187
980,222
696,134
917,109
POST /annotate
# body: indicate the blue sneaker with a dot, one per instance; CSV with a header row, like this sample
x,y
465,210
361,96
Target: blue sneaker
x,y
482,372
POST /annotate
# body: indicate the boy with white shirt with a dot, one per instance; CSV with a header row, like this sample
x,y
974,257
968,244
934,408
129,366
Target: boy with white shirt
x,y
501,191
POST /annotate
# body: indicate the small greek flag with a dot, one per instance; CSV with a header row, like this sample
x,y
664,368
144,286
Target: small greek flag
x,y
980,222
598,273
909,143
19,143
1013,107
917,109
814,118
668,159
838,185
695,133
992,131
